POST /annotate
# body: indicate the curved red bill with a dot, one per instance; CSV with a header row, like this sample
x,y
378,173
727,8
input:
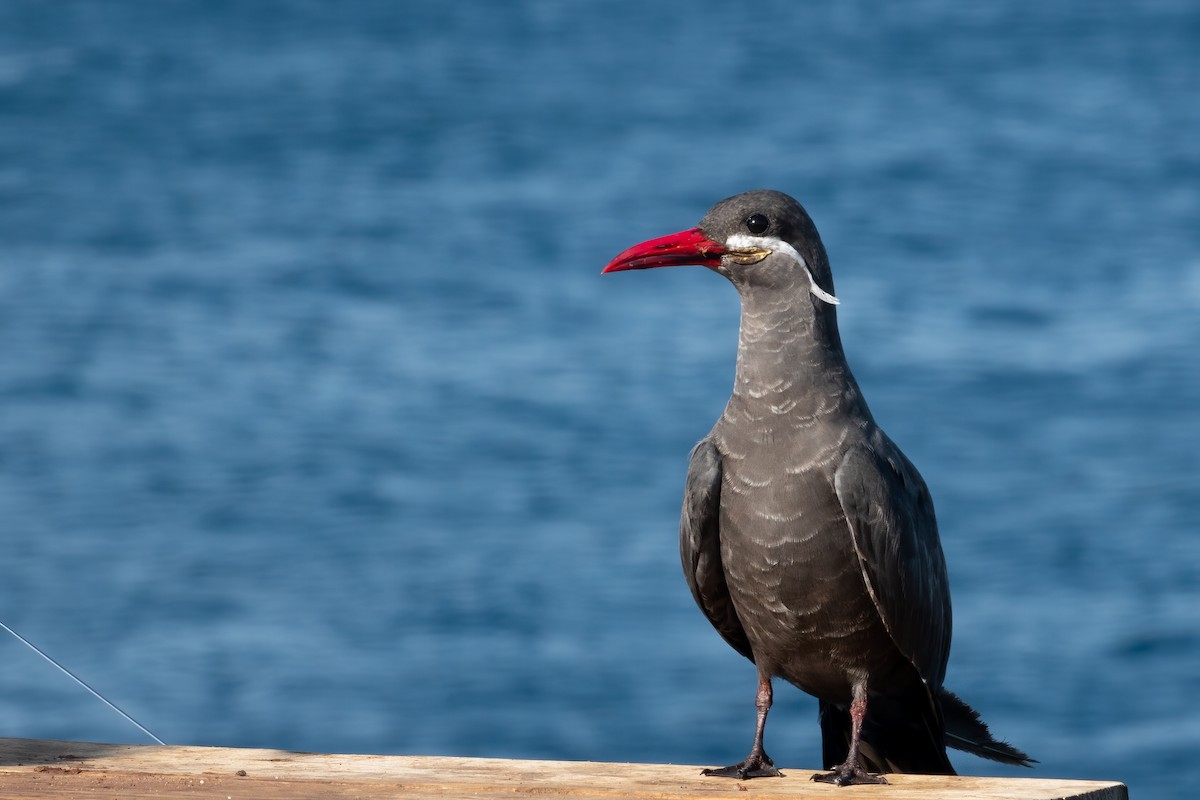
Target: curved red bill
x,y
675,250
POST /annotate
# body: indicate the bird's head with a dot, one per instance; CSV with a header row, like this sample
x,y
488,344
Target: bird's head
x,y
755,239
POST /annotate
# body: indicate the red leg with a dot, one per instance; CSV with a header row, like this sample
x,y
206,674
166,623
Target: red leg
x,y
758,764
849,772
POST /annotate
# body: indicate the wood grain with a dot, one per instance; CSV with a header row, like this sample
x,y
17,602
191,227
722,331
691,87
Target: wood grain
x,y
51,769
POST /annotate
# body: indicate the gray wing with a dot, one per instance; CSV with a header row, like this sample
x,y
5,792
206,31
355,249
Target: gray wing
x,y
895,533
700,546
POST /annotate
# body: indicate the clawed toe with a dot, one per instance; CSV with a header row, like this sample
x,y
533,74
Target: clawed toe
x,y
752,767
841,776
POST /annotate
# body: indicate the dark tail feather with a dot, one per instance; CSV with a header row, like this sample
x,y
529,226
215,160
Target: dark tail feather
x,y
835,734
966,731
900,735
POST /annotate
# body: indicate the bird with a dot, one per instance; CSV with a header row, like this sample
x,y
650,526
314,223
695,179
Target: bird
x,y
807,538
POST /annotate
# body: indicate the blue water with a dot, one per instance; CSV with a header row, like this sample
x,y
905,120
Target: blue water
x,y
319,428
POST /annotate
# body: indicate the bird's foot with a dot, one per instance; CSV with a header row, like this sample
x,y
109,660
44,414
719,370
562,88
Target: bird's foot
x,y
756,765
848,774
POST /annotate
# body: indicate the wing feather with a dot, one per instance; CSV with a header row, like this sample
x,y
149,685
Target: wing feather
x,y
700,546
891,518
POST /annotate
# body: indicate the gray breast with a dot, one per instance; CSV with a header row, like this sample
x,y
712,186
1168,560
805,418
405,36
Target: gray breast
x,y
789,557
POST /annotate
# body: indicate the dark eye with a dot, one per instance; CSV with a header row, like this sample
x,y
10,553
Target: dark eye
x,y
757,223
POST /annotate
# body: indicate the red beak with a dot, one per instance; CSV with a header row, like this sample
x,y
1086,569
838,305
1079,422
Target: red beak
x,y
676,250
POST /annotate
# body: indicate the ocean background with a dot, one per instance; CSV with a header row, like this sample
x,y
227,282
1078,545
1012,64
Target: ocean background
x,y
320,430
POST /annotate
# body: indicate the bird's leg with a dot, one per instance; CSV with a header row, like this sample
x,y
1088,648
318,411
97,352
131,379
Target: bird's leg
x,y
758,764
849,772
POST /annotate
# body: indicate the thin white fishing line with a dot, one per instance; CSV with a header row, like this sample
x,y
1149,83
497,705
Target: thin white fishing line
x,y
78,680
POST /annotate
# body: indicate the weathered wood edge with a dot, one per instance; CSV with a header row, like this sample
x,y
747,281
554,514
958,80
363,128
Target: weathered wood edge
x,y
45,768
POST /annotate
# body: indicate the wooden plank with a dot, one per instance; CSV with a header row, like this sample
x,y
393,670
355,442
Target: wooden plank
x,y
52,769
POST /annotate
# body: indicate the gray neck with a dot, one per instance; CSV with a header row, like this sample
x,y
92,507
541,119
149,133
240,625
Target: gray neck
x,y
790,361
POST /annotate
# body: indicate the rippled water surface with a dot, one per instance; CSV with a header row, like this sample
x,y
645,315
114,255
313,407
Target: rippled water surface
x,y
320,430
